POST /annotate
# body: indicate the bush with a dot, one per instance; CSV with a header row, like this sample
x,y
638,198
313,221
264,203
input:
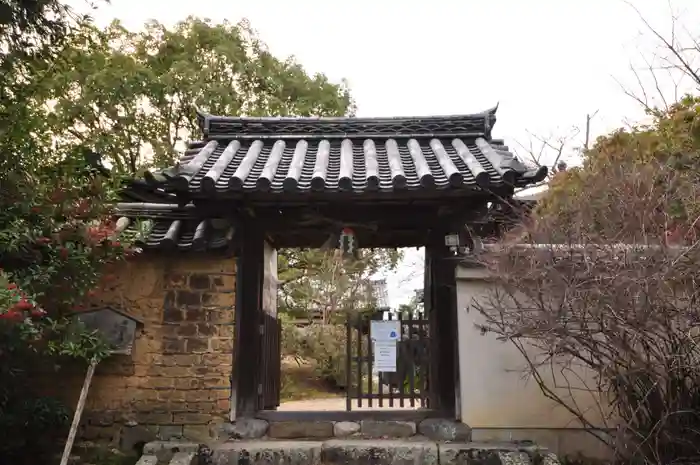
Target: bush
x,y
32,428
603,281
323,346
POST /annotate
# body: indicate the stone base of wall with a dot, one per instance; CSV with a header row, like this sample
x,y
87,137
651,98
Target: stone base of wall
x,y
130,433
434,429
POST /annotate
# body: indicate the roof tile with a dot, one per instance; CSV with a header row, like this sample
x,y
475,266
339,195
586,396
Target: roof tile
x,y
278,155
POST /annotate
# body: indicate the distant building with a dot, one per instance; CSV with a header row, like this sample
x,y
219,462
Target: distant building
x,y
380,293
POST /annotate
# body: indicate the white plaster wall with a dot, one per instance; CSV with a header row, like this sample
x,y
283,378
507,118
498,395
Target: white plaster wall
x,y
495,397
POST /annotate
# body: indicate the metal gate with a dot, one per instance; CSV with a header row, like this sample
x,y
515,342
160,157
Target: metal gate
x,y
269,386
408,386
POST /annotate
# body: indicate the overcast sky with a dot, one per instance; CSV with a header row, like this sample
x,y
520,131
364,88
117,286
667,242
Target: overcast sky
x,y
547,63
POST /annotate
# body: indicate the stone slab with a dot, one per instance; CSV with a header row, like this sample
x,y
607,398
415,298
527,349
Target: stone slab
x,y
345,428
387,429
439,429
245,428
165,450
300,429
148,460
183,458
268,453
478,453
379,452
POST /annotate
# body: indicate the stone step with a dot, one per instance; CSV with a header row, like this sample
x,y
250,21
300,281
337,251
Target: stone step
x,y
377,452
169,453
184,458
346,452
148,460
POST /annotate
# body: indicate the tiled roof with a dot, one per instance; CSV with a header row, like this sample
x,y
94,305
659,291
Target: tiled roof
x,y
276,155
170,227
471,125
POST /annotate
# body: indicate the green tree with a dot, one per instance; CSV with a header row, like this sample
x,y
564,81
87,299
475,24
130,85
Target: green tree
x,y
321,281
157,77
54,238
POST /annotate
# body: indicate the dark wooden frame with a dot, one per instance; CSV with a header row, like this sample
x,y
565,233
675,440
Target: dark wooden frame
x,y
440,305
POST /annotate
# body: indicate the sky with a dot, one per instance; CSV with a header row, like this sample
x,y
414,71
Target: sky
x,y
546,63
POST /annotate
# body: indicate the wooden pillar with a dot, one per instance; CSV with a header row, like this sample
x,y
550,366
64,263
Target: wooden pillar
x,y
248,342
441,296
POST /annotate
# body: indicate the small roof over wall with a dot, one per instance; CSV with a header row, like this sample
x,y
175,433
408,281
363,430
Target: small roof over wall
x,y
291,158
170,227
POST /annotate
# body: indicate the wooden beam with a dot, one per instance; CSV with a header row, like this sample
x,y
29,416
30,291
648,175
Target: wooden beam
x,y
247,354
443,318
349,198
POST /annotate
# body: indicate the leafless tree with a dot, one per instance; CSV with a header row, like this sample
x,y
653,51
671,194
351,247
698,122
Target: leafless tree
x,y
601,296
608,332
672,69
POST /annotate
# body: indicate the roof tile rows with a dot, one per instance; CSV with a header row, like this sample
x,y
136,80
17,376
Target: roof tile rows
x,y
301,155
170,227
309,154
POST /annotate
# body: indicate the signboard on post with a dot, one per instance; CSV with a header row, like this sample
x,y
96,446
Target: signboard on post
x,y
384,357
384,335
385,331
117,328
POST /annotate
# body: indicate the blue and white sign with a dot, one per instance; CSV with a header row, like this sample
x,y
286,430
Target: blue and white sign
x,y
385,331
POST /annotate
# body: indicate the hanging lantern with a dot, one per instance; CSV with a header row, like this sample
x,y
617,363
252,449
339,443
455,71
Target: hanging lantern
x,y
348,243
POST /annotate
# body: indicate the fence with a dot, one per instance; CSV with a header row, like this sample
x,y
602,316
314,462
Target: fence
x,y
408,386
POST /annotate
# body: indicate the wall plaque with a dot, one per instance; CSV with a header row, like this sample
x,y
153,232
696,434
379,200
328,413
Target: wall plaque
x,y
116,327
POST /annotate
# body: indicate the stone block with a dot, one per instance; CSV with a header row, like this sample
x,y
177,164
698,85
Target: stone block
x,y
174,346
172,315
148,460
300,429
170,432
198,433
345,428
245,428
188,298
387,429
485,454
206,329
200,282
183,458
191,418
268,453
195,345
186,329
380,452
134,437
439,429
165,450
196,313
175,280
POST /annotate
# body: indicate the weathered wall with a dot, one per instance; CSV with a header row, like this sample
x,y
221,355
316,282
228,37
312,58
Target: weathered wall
x,y
496,399
176,383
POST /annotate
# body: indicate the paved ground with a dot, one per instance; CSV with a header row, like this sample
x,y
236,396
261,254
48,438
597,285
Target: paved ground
x,y
336,403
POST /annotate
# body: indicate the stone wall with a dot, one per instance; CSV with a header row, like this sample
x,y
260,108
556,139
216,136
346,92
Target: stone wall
x,y
176,382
